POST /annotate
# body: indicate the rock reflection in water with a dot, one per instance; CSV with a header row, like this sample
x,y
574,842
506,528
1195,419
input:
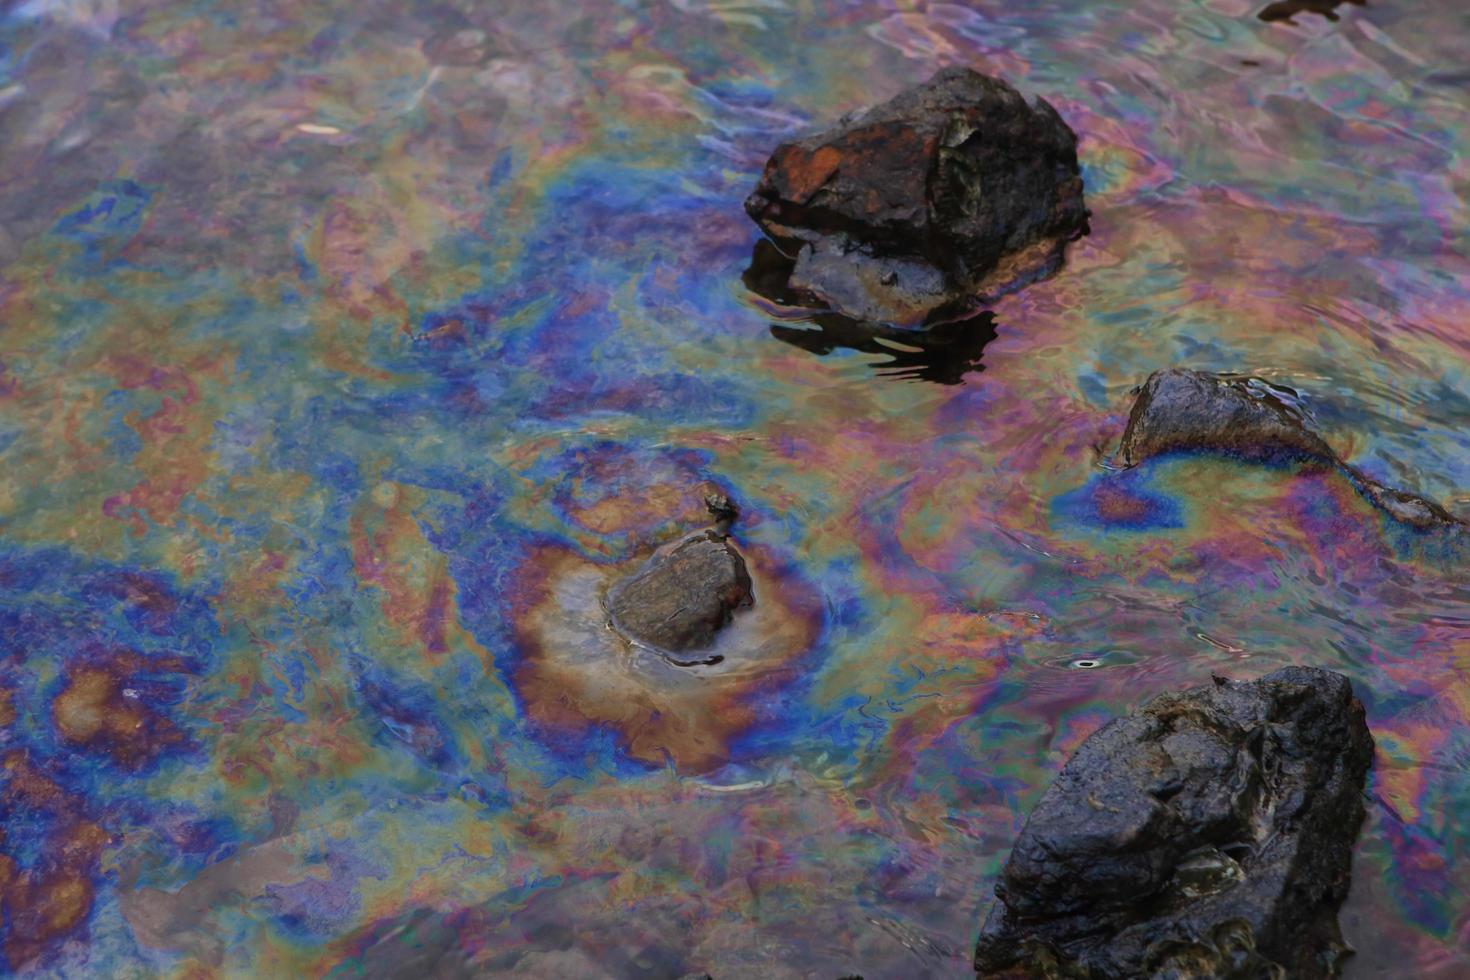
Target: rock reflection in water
x,y
944,352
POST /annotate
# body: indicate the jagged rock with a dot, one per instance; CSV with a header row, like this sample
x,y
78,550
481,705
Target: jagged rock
x,y
685,594
1181,410
954,192
1208,834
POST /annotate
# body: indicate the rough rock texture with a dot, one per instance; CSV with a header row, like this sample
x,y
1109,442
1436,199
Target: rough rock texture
x,y
953,192
685,594
1183,410
1208,834
1179,409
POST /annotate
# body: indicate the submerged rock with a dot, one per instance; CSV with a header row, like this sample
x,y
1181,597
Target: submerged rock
x,y
1180,410
954,192
685,594
944,354
1208,834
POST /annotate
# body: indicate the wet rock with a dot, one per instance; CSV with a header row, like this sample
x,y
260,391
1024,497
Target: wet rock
x,y
1286,9
685,594
1180,410
1406,508
952,193
1208,834
723,510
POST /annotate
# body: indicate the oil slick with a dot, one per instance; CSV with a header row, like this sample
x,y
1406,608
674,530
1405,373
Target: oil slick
x,y
327,447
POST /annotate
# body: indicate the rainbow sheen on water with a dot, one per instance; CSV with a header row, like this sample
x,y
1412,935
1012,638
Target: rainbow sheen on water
x,y
350,348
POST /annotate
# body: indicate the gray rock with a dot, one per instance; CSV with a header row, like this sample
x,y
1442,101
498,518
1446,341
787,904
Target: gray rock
x,y
684,595
1180,410
1208,834
952,193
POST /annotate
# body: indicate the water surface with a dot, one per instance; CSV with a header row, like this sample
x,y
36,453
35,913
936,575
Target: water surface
x,y
350,347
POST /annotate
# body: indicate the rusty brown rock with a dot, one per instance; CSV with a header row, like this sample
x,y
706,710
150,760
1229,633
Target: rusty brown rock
x,y
952,193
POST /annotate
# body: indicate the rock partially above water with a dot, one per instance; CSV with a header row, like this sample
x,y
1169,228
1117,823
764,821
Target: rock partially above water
x,y
684,595
1208,834
1180,410
952,193
657,649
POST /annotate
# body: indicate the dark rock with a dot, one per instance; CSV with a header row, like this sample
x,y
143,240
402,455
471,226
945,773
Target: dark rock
x,y
950,194
1208,834
687,593
723,510
1180,410
1286,9
1406,508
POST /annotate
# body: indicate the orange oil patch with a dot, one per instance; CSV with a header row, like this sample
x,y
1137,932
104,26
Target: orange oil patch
x,y
577,673
271,754
175,457
967,642
617,492
627,511
361,242
391,553
97,710
611,492
42,906
254,587
1403,767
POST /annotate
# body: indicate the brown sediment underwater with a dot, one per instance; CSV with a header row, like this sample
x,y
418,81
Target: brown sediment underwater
x,y
578,673
52,898
100,709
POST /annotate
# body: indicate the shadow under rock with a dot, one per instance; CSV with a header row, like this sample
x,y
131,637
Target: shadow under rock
x,y
943,352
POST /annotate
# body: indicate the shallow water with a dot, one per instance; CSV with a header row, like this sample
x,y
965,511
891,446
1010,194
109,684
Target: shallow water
x,y
349,349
